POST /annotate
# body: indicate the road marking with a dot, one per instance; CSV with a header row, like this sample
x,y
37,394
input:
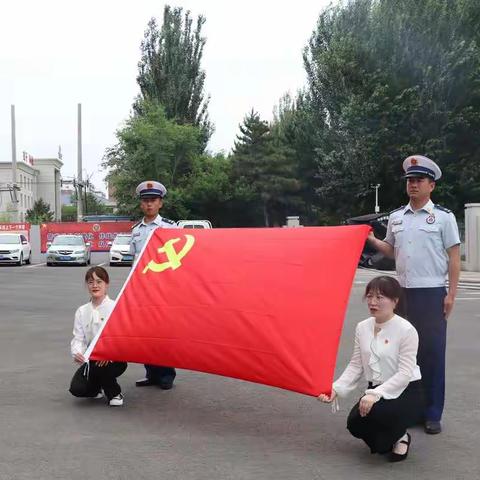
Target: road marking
x,y
36,265
102,264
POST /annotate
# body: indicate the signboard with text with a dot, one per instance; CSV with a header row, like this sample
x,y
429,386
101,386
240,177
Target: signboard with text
x,y
23,228
98,234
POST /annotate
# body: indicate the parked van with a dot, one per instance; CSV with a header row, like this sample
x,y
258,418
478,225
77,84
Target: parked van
x,y
194,224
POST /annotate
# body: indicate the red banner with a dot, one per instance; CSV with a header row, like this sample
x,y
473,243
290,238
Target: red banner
x,y
98,234
23,228
264,305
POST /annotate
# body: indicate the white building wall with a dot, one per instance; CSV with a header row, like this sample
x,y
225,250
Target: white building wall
x,y
27,181
49,184
5,200
42,180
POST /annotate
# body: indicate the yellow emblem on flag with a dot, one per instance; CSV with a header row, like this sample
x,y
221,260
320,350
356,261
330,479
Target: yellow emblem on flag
x,y
174,257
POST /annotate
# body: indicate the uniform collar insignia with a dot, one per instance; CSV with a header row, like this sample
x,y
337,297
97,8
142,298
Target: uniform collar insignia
x,y
428,207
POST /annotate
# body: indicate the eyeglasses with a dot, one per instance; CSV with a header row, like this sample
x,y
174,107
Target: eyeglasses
x,y
91,283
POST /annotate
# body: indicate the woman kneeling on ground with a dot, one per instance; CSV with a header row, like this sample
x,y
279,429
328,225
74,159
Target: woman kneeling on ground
x,y
97,378
385,353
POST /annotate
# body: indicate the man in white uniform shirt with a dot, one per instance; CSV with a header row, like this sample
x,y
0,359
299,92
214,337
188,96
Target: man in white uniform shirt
x,y
423,238
151,196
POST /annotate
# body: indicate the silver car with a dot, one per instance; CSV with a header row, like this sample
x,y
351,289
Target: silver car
x,y
68,249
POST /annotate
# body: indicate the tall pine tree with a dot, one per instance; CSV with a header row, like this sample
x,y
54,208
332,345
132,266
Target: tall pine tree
x,y
170,72
39,213
262,166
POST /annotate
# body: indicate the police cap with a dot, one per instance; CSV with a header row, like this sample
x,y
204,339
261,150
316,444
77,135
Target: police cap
x,y
420,166
151,189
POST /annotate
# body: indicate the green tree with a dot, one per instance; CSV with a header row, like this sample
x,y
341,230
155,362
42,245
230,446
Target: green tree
x,y
39,213
263,171
388,79
170,69
91,204
69,213
150,146
293,126
210,194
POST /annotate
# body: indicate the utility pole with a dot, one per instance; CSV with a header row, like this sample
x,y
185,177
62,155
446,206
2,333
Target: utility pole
x,y
14,166
86,196
377,206
79,165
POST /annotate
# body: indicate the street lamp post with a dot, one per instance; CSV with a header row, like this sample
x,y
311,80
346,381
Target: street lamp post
x,y
377,206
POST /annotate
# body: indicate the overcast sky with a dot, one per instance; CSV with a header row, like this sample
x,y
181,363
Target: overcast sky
x,y
56,54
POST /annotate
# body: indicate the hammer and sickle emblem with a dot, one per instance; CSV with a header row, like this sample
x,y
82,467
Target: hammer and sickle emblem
x,y
173,256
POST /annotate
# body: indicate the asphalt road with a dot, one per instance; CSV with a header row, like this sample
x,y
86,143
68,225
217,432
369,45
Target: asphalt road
x,y
207,427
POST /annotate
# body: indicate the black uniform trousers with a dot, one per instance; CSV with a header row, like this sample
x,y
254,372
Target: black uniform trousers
x,y
388,420
424,310
89,382
157,374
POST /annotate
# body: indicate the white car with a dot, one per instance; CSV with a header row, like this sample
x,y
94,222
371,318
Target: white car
x,y
68,249
14,248
120,250
194,224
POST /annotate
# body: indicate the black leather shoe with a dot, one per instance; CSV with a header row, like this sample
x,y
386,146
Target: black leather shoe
x,y
432,427
397,457
166,383
144,382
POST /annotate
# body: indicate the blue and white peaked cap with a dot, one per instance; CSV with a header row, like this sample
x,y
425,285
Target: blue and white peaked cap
x,y
420,166
151,189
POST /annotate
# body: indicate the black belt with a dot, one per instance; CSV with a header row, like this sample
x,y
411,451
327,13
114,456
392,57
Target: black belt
x,y
414,383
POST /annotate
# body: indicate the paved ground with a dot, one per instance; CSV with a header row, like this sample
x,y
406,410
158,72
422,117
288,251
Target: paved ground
x,y
207,427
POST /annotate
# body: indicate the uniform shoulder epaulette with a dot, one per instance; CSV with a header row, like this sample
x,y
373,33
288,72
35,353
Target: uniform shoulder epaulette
x,y
397,209
167,220
136,224
443,209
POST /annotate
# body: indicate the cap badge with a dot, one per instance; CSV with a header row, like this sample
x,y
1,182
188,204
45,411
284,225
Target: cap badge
x,y
414,161
149,185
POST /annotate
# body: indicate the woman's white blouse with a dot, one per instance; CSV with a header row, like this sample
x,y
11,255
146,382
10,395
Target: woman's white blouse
x,y
388,359
88,320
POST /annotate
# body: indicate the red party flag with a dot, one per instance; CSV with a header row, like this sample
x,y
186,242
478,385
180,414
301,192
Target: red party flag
x,y
265,305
